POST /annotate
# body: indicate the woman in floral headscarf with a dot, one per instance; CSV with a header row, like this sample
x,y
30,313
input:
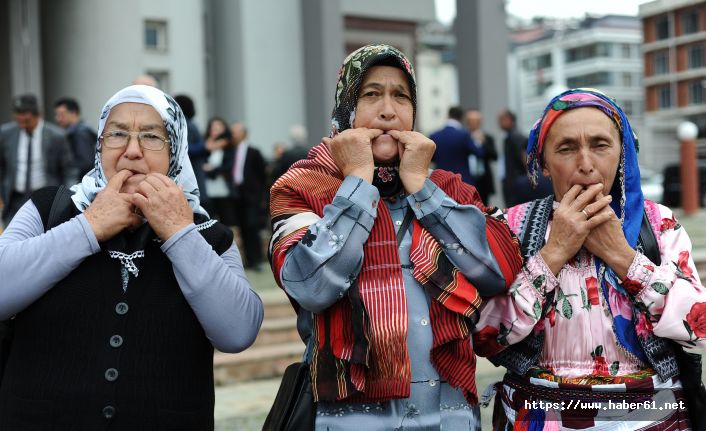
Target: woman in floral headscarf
x,y
608,280
121,287
385,263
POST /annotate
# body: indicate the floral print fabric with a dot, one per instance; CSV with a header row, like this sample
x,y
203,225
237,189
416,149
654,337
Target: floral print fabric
x,y
580,343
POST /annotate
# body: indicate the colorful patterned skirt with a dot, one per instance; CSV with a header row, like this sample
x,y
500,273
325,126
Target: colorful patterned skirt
x,y
644,403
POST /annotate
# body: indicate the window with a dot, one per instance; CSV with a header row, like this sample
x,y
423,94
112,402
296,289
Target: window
x,y
662,27
544,61
690,21
628,107
660,63
596,79
156,35
664,96
626,50
162,79
695,56
542,87
586,52
626,78
696,92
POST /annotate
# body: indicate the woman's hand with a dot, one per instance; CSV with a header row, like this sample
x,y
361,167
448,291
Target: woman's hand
x,y
216,144
352,152
112,211
163,204
416,151
578,214
608,242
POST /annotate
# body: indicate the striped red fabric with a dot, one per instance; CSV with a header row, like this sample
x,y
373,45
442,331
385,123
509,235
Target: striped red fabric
x,y
360,353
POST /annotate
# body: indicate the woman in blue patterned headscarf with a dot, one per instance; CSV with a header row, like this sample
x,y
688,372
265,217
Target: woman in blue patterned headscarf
x,y
608,279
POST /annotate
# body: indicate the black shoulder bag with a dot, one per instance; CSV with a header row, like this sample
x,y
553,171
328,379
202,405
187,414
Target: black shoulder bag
x,y
689,363
59,207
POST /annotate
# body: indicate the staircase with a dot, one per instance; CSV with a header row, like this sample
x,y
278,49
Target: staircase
x,y
277,345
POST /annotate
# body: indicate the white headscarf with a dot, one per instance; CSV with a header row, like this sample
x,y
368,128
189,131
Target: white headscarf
x,y
180,169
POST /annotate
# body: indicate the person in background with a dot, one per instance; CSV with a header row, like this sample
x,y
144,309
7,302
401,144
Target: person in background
x,y
385,263
219,171
608,295
454,145
198,155
118,304
249,180
514,145
33,154
485,182
82,138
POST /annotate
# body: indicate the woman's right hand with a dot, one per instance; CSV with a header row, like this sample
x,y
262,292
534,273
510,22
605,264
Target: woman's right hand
x,y
352,151
578,213
112,211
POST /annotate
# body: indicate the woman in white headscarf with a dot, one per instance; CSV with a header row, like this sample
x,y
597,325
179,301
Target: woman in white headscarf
x,y
120,293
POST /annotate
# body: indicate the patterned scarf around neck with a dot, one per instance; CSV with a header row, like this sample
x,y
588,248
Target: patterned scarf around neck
x,y
359,344
628,202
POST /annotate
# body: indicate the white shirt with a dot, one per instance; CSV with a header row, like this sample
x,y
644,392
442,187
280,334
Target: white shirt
x,y
239,167
38,179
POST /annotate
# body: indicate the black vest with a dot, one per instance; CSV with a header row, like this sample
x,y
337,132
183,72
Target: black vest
x,y
89,356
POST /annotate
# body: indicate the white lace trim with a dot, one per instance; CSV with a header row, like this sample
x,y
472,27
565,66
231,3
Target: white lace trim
x,y
206,225
126,260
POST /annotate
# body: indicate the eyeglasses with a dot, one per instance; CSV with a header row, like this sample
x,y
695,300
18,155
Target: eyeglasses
x,y
147,140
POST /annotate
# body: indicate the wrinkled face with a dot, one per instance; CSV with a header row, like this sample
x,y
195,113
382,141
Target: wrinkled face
x,y
64,117
582,147
134,118
473,120
26,121
384,102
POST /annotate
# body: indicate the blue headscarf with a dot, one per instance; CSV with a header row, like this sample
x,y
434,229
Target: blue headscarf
x,y
628,202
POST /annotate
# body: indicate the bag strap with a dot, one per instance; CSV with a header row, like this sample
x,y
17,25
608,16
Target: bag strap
x,y
408,216
648,241
59,206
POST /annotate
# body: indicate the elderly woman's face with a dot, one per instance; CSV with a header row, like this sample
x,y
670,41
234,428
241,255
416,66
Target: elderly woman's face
x,y
384,102
582,147
134,118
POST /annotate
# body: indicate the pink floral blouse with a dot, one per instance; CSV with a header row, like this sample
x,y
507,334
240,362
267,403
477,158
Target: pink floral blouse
x,y
579,339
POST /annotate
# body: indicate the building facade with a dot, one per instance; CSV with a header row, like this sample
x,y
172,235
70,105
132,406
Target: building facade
x,y
675,71
599,52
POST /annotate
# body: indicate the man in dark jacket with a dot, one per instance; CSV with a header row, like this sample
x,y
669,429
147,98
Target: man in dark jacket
x,y
82,138
453,146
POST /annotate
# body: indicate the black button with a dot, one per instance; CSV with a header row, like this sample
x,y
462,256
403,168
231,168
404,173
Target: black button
x,y
111,374
108,412
116,341
121,308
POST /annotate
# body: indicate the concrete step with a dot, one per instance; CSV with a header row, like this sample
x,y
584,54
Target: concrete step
x,y
277,330
258,362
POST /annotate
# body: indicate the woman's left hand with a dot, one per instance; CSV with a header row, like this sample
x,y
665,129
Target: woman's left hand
x,y
608,242
163,204
416,151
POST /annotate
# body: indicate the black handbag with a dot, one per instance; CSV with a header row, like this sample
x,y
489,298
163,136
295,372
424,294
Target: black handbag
x,y
293,408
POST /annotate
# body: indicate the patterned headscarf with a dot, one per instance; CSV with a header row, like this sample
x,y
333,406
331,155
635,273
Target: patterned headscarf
x,y
350,79
180,169
628,202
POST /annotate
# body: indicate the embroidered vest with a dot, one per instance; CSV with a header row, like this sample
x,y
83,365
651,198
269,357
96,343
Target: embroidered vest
x,y
520,357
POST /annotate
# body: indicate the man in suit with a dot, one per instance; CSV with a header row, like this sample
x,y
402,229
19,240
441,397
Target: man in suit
x,y
454,145
82,138
33,154
485,182
249,179
514,153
